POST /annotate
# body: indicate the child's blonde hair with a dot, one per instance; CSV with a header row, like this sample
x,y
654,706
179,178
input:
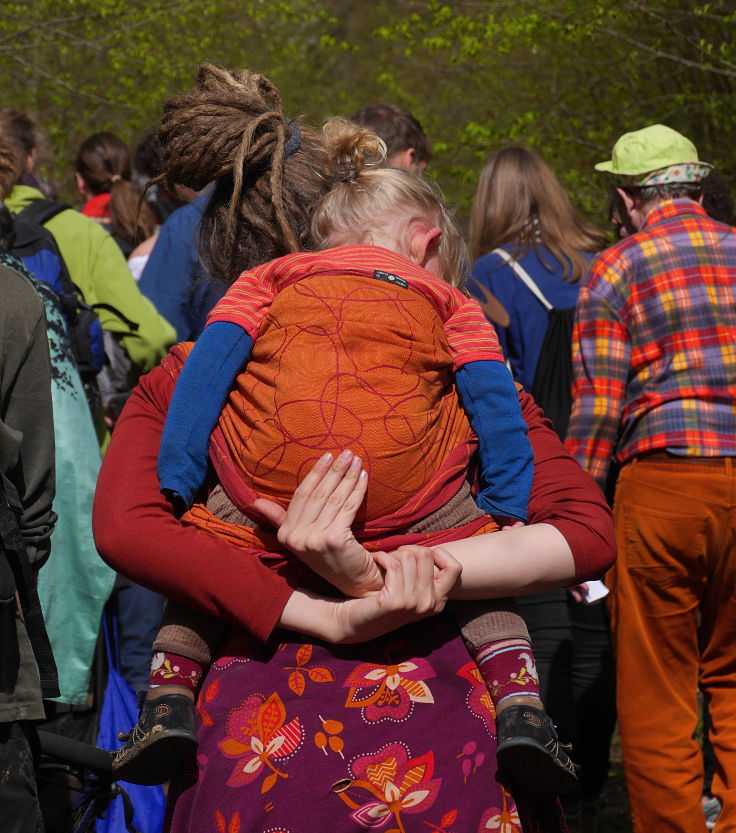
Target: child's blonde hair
x,y
368,197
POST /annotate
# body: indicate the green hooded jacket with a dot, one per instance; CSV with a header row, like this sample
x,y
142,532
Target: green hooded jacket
x,y
98,268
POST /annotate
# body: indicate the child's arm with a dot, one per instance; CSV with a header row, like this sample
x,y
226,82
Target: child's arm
x,y
199,396
491,401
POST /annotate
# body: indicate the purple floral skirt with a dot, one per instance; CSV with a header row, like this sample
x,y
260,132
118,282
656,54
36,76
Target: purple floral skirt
x,y
397,735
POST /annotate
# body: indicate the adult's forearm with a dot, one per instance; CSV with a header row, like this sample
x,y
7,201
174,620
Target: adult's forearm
x,y
137,533
567,498
512,563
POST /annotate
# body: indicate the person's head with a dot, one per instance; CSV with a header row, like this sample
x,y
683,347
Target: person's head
x,y
718,197
618,217
651,166
12,160
103,166
268,172
389,207
18,128
147,158
406,143
520,201
12,156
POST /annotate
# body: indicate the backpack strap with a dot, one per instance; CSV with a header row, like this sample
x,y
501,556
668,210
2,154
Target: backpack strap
x,y
41,211
525,277
133,326
12,542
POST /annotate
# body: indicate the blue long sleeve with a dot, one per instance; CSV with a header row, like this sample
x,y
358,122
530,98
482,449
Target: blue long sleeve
x,y
490,399
199,396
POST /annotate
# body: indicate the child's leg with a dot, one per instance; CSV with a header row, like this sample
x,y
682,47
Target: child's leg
x,y
528,747
165,731
187,639
495,633
183,649
497,638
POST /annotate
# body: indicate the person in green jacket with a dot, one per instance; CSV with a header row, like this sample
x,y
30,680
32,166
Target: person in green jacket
x,y
95,263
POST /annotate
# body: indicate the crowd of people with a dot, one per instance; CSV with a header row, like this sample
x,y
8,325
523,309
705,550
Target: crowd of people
x,y
263,411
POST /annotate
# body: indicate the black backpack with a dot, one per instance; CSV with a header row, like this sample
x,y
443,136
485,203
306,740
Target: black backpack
x,y
18,582
552,383
36,247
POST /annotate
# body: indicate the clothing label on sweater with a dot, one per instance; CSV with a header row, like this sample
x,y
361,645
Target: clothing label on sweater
x,y
389,278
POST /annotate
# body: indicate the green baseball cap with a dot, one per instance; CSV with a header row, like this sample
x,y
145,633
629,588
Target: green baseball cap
x,y
655,155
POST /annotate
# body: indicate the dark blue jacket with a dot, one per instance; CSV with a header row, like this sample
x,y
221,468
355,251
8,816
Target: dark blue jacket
x,y
174,279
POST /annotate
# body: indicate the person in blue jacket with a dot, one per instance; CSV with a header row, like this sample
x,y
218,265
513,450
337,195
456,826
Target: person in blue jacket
x,y
174,278
521,216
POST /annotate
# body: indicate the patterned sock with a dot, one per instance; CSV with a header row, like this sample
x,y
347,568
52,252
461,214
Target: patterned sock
x,y
508,667
174,669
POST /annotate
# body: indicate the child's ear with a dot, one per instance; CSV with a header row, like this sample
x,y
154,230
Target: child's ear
x,y
425,241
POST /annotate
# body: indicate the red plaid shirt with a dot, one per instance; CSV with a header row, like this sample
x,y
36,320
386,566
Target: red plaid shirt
x,y
654,343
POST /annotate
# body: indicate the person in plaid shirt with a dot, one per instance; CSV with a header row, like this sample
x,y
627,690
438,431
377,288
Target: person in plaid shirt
x,y
654,356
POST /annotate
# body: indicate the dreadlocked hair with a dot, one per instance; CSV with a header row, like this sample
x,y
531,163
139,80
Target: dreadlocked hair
x,y
230,130
368,197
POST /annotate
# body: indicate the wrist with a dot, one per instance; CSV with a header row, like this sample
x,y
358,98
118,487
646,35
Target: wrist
x,y
313,615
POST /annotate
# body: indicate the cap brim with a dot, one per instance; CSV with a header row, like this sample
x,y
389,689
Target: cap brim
x,y
606,167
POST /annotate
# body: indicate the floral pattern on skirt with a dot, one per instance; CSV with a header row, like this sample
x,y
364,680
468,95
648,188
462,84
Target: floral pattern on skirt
x,y
394,735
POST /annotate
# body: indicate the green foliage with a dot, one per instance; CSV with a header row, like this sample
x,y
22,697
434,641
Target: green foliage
x,y
563,76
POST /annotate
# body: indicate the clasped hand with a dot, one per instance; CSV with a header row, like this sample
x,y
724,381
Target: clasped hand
x,y
392,588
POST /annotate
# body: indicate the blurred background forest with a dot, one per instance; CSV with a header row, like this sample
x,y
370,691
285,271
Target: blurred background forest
x,y
563,76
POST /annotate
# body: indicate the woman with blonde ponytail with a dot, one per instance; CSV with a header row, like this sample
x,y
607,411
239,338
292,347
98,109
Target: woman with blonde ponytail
x,y
357,345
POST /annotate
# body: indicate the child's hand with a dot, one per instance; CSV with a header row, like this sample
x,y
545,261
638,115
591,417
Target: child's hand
x,y
507,523
316,526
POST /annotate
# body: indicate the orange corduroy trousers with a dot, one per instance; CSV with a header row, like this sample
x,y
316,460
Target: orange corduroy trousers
x,y
673,614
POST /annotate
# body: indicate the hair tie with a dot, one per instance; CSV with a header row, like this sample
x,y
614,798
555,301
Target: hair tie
x,y
295,142
291,146
115,178
349,175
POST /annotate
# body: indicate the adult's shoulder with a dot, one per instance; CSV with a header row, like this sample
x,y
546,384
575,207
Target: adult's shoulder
x,y
488,263
187,216
611,269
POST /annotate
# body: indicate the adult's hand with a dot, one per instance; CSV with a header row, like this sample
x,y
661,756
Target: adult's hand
x,y
417,583
316,525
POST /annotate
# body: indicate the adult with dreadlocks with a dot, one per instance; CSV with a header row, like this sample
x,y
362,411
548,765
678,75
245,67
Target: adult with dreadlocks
x,y
265,710
405,285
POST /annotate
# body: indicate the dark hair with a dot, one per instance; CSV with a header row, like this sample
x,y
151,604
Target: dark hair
x,y
230,130
398,129
11,167
103,162
147,156
718,197
19,127
11,163
519,200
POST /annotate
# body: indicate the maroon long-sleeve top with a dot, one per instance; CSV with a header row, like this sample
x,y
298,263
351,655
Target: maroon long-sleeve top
x,y
138,535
